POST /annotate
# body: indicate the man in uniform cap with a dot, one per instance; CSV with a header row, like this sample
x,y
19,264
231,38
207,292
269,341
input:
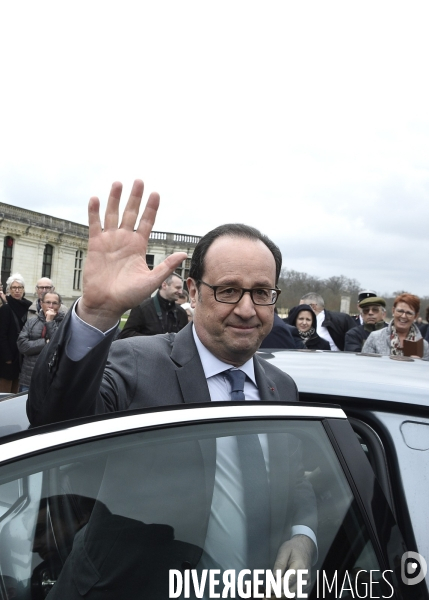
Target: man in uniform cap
x,y
361,296
373,311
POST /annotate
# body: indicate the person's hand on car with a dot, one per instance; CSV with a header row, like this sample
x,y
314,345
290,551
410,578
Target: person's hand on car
x,y
295,554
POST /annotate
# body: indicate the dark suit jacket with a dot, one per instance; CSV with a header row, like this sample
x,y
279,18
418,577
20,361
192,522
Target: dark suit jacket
x,y
155,371
140,372
338,324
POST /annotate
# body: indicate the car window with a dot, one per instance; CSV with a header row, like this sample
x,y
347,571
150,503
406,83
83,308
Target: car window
x,y
122,513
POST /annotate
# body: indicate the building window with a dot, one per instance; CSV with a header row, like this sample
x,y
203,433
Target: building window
x,y
150,258
78,262
47,261
183,270
6,260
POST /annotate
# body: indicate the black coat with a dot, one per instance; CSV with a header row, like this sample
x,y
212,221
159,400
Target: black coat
x,y
424,330
356,337
13,316
315,342
144,320
338,324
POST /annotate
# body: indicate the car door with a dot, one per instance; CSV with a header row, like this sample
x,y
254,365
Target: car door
x,y
160,504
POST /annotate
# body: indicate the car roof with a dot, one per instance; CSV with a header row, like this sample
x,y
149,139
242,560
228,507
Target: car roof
x,y
326,374
355,375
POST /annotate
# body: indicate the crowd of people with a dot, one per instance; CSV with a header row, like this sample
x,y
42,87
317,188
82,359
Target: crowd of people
x,y
25,326
232,290
308,326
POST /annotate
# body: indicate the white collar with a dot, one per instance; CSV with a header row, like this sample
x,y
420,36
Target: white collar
x,y
213,366
320,317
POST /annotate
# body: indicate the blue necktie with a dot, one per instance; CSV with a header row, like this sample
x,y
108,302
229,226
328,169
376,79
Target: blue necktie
x,y
236,378
255,485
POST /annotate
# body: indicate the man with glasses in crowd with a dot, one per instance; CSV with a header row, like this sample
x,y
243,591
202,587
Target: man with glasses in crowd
x,y
373,313
42,286
232,287
36,333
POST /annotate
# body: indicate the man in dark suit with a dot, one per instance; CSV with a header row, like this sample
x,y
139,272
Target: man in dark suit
x,y
232,286
331,326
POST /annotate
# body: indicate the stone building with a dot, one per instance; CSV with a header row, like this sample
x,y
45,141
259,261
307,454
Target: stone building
x,y
37,245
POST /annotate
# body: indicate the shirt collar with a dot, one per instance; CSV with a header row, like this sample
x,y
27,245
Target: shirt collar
x,y
213,366
166,304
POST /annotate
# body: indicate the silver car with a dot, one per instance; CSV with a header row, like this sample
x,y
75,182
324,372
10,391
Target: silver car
x,y
120,506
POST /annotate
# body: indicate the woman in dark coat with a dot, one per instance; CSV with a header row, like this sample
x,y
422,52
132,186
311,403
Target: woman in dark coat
x,y
13,316
304,319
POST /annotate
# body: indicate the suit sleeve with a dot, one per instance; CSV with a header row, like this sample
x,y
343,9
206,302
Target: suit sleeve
x,y
62,388
304,500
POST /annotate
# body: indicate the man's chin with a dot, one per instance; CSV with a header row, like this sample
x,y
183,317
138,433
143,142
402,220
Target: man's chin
x,y
244,349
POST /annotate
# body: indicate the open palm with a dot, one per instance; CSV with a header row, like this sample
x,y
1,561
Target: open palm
x,y
116,276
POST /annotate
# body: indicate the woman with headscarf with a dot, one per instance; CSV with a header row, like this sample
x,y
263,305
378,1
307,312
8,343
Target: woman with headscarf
x,y
304,319
390,340
13,316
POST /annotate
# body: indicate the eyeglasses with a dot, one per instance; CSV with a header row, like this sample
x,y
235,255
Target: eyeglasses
x,y
401,312
230,295
44,287
17,288
374,309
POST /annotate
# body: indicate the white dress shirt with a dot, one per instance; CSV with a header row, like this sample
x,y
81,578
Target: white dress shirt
x,y
324,333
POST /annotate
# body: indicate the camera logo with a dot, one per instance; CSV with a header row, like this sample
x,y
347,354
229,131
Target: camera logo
x,y
413,568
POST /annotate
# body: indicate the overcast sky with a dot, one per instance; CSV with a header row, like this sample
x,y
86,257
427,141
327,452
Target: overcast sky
x,y
308,120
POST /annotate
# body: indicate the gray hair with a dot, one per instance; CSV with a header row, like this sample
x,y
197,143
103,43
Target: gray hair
x,y
15,277
60,300
313,298
170,278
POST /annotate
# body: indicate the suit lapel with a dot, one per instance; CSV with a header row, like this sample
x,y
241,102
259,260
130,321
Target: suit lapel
x,y
190,373
267,388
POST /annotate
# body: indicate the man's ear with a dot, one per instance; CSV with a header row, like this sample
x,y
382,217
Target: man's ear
x,y
193,291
